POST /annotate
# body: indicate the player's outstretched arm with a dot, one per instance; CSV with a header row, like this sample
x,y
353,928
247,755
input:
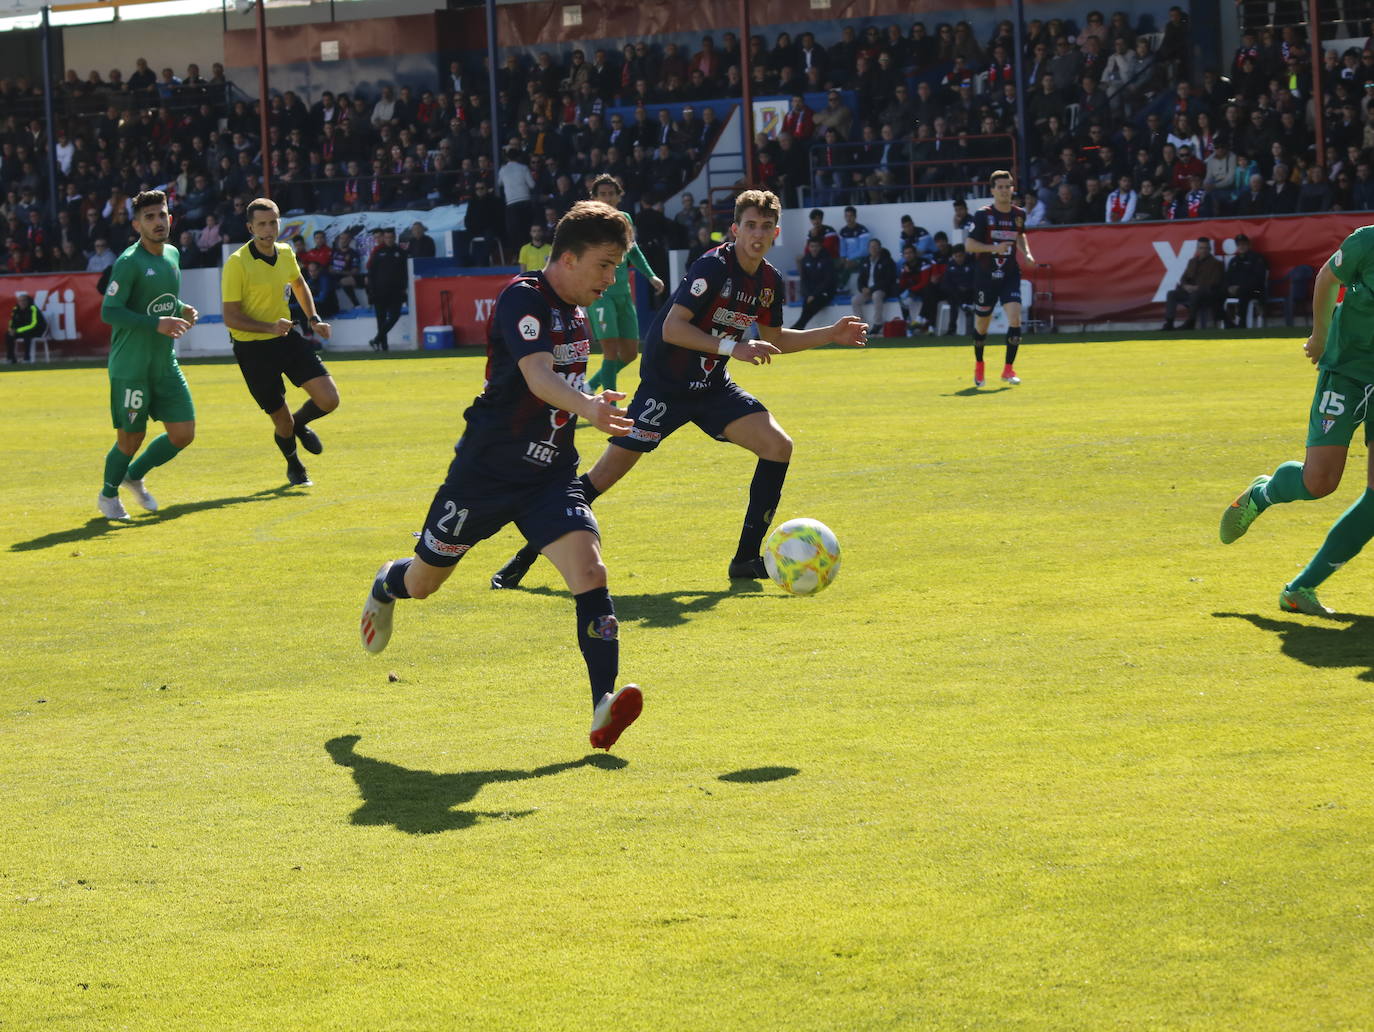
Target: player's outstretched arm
x,y
851,332
679,329
549,387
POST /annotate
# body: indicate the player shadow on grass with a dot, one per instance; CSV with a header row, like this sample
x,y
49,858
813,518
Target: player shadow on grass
x,y
100,526
759,775
1322,645
665,609
970,392
421,802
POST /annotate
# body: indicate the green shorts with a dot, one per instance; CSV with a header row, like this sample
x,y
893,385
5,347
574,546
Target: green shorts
x,y
614,318
166,399
1339,405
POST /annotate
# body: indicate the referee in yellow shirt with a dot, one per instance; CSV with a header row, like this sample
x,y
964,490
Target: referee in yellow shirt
x,y
266,344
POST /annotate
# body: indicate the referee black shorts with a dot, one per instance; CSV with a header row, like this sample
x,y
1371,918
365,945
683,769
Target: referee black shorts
x,y
264,363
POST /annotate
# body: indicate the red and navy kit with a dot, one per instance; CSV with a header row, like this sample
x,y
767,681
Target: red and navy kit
x,y
516,461
725,302
678,385
998,276
512,433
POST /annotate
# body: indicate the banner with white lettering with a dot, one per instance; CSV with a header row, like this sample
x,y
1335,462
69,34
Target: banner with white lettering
x,y
1124,273
463,302
70,303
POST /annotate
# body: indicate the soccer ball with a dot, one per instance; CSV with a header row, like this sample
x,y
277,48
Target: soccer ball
x,y
802,556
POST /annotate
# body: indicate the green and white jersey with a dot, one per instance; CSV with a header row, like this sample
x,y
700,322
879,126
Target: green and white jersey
x,y
144,288
634,256
1350,341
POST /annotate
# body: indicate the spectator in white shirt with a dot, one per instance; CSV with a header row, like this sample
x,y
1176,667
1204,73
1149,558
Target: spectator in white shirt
x,y
1121,201
385,109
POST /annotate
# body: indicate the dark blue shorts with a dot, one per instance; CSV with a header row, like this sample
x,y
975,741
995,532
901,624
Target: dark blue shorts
x,y
470,508
987,291
657,413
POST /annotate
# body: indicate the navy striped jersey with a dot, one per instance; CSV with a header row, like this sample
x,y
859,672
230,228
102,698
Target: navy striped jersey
x,y
724,302
991,226
512,434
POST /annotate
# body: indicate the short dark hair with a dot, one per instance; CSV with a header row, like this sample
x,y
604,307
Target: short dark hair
x,y
262,204
149,198
816,213
1001,173
590,224
765,201
606,177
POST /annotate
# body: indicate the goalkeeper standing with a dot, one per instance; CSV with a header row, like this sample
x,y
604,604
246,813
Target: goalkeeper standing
x,y
615,326
142,307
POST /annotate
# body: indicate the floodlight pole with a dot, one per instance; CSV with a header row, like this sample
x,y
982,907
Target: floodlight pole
x,y
746,92
49,88
493,108
1018,55
263,126
1314,52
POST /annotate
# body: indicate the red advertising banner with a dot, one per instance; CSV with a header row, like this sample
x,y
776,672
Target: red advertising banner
x,y
463,302
1122,273
71,304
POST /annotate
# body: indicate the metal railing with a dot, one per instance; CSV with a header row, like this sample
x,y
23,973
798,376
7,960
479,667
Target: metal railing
x,y
906,181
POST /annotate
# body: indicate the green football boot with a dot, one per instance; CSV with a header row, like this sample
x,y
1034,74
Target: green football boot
x,y
1302,600
1236,520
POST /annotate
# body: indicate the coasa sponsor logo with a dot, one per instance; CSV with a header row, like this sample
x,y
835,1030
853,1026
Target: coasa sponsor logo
x,y
163,305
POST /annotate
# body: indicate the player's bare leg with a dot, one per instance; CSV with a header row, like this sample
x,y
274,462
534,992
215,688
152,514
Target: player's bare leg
x,y
614,463
577,555
760,433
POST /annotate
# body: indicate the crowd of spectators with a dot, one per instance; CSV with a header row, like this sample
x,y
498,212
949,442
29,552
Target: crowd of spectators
x,y
1120,128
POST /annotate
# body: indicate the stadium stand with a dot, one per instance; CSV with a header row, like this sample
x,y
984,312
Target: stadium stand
x,y
1120,127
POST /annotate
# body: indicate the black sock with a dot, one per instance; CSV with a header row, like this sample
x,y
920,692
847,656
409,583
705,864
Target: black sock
x,y
588,488
308,412
764,491
286,444
393,585
598,636
1013,343
979,339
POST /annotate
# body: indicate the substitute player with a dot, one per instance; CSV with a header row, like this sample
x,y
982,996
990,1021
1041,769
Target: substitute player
x,y
615,323
517,460
684,377
253,287
998,233
146,315
1342,349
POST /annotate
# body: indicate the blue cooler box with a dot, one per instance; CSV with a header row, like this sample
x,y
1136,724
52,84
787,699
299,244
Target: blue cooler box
x,y
438,337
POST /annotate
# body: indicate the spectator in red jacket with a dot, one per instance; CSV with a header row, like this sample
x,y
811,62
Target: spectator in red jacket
x,y
800,121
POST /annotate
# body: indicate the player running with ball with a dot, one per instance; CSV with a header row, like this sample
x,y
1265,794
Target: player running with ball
x,y
517,461
1342,349
146,382
683,378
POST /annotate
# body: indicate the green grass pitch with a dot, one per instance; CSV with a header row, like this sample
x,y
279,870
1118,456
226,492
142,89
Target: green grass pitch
x,y
1046,755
